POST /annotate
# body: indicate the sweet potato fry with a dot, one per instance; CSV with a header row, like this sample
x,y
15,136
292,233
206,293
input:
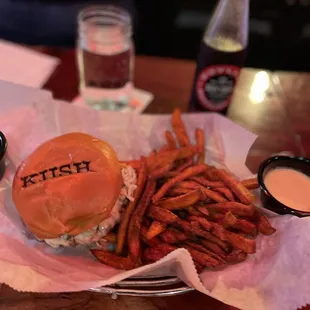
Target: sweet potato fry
x,y
110,237
170,140
211,174
202,249
250,183
133,163
180,202
150,242
213,247
123,227
164,148
160,172
155,229
236,256
170,156
213,195
231,221
200,141
204,223
187,163
193,231
236,208
203,181
172,236
177,191
135,223
203,210
153,254
237,241
243,194
162,215
226,192
188,185
194,211
189,172
110,259
179,128
263,225
202,258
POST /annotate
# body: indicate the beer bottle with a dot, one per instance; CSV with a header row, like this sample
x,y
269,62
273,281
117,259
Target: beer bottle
x,y
221,56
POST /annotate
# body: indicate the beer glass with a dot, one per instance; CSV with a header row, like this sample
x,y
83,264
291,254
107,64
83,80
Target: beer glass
x,y
105,54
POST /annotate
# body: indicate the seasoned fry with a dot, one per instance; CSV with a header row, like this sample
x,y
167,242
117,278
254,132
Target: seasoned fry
x,y
162,215
172,236
203,181
150,242
135,223
231,221
192,230
113,260
202,249
213,247
164,148
154,254
180,202
110,237
211,174
203,210
263,225
200,141
196,212
177,191
204,223
170,140
244,244
179,128
250,183
123,227
244,195
226,192
188,163
213,195
235,256
155,229
188,185
170,156
189,172
236,208
202,258
160,172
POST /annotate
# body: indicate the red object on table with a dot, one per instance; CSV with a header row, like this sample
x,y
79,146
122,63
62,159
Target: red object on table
x,y
255,106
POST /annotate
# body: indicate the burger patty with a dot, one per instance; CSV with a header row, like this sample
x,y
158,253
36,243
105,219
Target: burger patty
x,y
96,233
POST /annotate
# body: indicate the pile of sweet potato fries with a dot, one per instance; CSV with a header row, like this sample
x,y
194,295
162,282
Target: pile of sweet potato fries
x,y
181,202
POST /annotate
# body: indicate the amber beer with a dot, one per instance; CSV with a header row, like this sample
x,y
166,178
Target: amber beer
x,y
221,57
218,68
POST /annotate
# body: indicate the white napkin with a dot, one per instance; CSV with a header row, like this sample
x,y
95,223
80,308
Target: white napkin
x,y
24,66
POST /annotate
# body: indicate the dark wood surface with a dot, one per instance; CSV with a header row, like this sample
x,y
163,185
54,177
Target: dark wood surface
x,y
273,105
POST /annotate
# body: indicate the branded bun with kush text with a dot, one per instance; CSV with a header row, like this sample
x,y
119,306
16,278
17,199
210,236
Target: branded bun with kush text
x,y
71,189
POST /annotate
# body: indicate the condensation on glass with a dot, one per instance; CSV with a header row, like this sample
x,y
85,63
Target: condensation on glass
x,y
105,53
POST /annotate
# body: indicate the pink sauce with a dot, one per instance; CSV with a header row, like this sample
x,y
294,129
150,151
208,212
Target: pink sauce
x,y
290,187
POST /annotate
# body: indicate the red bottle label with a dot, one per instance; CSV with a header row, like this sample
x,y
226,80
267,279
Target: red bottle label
x,y
215,85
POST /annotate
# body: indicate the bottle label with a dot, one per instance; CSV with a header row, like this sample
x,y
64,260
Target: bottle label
x,y
215,85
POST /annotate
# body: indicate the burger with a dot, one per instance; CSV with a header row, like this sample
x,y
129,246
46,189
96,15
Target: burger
x,y
71,190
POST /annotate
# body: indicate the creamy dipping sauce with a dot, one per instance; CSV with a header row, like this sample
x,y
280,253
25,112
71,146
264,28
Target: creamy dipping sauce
x,y
290,187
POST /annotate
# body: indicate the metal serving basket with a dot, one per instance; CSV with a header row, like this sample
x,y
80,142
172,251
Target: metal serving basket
x,y
148,286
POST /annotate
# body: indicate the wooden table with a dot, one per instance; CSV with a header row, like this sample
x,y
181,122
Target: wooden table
x,y
273,105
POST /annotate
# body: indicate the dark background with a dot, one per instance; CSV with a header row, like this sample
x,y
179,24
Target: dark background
x,y
279,31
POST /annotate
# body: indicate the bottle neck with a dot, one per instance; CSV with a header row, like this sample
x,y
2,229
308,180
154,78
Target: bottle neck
x,y
230,20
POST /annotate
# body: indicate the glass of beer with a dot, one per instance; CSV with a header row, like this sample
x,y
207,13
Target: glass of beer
x,y
105,54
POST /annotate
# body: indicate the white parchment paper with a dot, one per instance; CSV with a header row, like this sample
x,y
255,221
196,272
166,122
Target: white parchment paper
x,y
276,277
